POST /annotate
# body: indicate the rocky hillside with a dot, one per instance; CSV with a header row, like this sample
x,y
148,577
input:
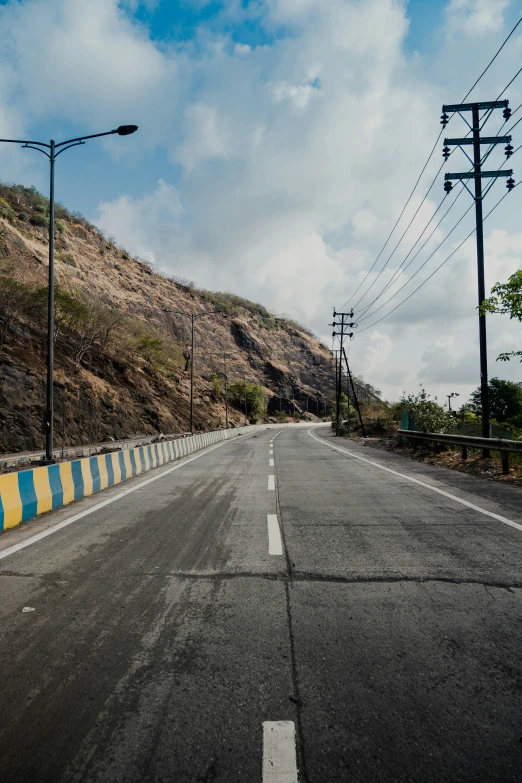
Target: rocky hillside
x,y
121,360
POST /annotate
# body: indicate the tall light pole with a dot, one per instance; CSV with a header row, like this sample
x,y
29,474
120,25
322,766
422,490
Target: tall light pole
x,y
192,317
226,354
450,397
123,130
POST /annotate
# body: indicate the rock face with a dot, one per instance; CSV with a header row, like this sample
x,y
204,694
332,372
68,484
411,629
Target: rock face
x,y
135,382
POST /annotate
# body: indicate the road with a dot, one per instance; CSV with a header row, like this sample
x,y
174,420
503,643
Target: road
x,y
359,621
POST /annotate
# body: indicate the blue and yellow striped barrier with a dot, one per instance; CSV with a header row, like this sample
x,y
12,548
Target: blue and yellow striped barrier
x,y
29,493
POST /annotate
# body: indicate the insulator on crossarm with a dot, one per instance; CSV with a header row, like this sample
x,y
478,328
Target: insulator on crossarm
x,y
444,119
510,184
506,113
448,186
446,152
509,151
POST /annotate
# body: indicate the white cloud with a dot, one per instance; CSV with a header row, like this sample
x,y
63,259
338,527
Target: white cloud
x,y
285,164
475,17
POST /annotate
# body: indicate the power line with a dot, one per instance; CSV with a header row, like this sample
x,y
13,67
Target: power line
x,y
440,265
492,60
402,237
437,248
510,83
459,221
429,158
392,279
486,155
398,219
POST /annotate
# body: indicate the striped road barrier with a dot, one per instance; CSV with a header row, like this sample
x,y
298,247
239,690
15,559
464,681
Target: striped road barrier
x,y
29,493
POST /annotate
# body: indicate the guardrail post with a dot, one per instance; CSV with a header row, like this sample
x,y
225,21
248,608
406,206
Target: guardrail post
x,y
464,452
504,458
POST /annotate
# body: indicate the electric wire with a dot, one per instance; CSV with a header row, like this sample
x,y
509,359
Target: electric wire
x,y
402,237
459,221
439,267
403,267
436,249
397,221
492,61
430,156
485,157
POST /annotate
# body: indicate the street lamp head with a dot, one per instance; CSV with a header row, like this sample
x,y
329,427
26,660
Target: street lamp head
x,y
126,130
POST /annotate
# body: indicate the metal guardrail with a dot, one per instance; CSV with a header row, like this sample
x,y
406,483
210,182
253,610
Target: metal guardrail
x,y
505,447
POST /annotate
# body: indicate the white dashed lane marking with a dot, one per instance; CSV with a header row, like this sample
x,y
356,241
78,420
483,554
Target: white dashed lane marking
x,y
279,755
275,543
271,482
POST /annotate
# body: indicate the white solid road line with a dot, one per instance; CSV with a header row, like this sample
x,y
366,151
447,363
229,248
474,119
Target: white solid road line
x,y
505,520
38,537
275,544
271,481
279,757
270,463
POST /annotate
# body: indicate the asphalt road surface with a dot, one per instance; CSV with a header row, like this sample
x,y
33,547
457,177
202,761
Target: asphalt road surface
x,y
357,617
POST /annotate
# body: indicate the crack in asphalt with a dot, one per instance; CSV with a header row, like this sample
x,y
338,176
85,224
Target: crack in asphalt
x,y
291,577
296,698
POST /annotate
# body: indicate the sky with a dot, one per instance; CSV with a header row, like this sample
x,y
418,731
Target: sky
x,y
278,142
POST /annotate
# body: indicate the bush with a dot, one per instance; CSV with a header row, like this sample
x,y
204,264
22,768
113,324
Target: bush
x,y
23,216
59,226
38,220
42,208
427,415
217,388
255,397
6,210
68,259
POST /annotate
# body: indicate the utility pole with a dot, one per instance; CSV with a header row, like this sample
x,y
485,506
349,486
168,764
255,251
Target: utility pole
x,y
246,409
478,195
343,324
192,317
356,403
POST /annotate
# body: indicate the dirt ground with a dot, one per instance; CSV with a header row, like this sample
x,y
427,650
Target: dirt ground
x,y
451,458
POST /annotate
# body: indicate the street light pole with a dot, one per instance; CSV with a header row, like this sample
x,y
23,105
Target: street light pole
x,y
450,396
192,317
49,412
226,391
123,130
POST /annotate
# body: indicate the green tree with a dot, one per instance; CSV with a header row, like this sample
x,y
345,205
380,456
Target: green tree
x,y
427,415
255,398
505,400
217,388
506,299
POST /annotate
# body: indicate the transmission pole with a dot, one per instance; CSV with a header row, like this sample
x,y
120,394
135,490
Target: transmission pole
x,y
355,400
478,196
343,324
